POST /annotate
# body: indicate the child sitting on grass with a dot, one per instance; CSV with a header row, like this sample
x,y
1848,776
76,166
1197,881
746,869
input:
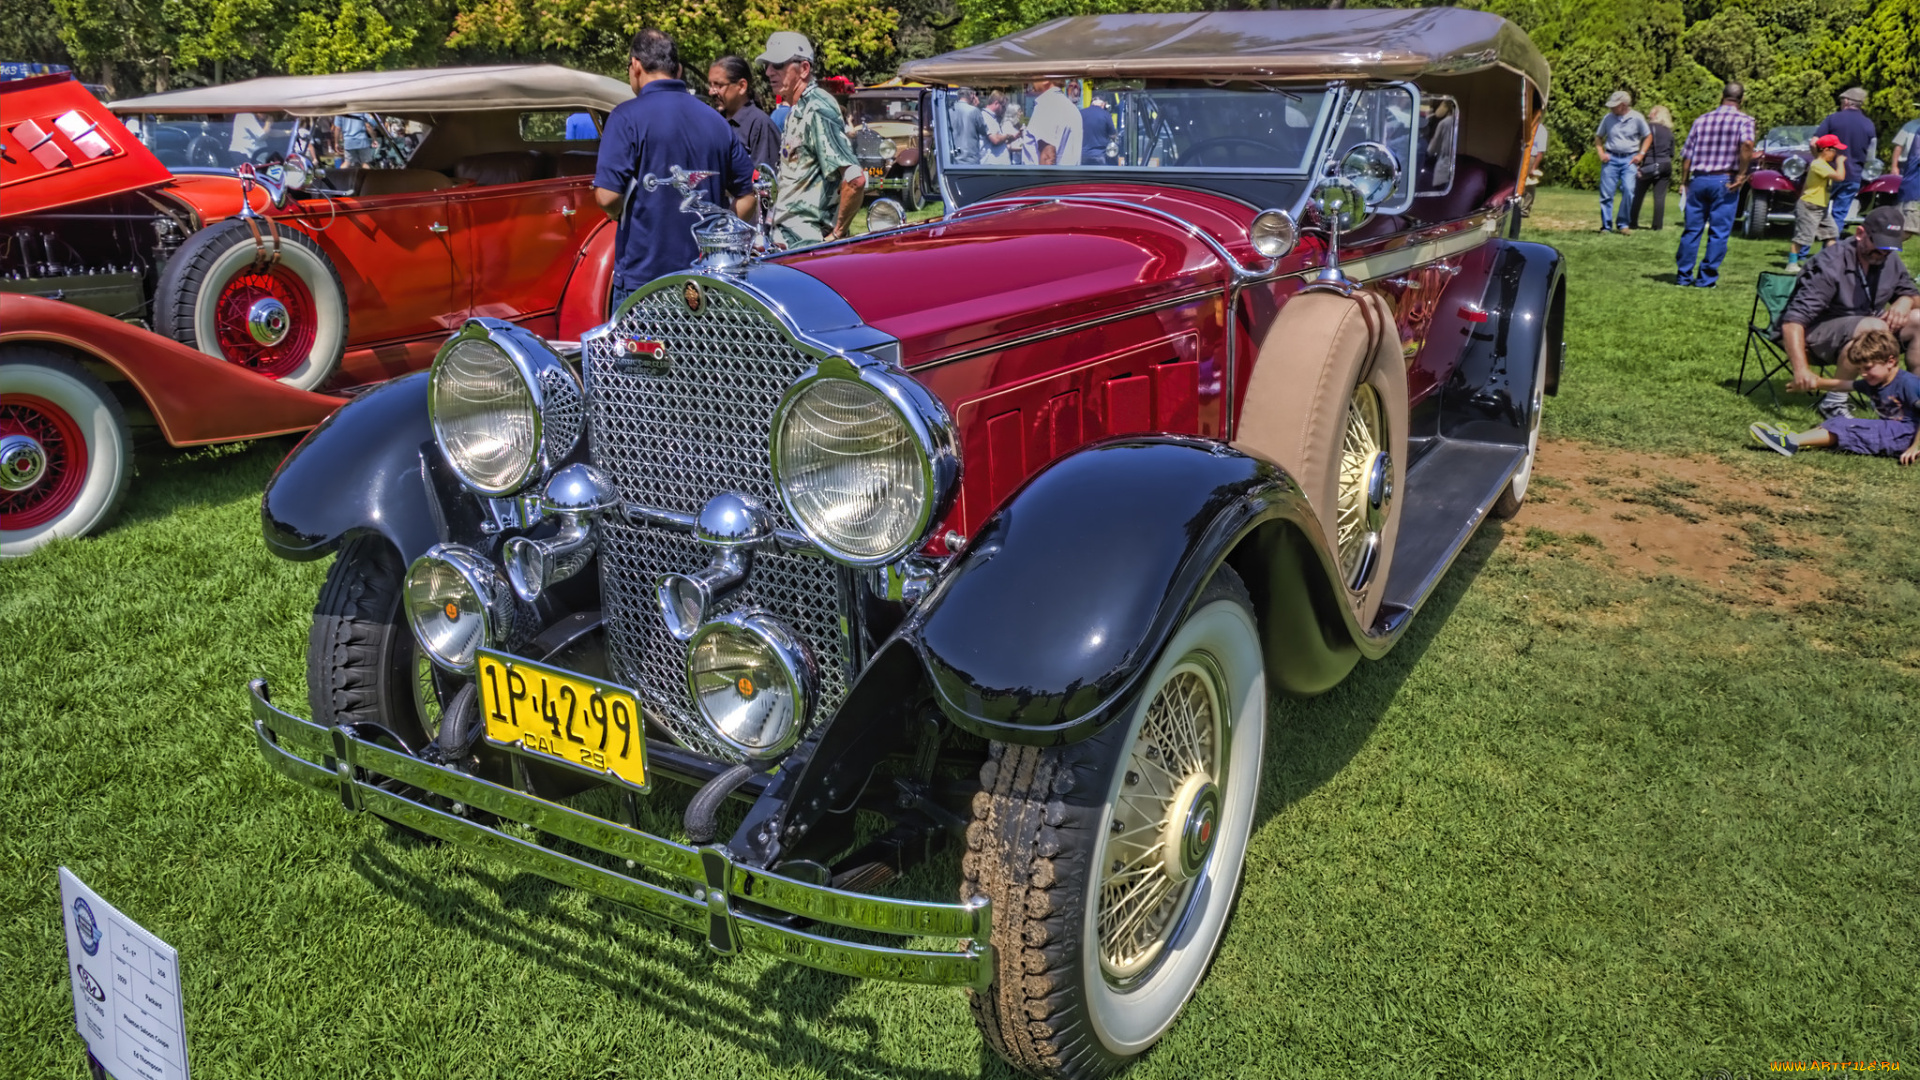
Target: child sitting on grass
x,y
1896,397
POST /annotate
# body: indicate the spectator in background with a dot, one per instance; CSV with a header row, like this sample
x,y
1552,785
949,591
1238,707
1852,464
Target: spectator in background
x,y
1621,141
1845,291
968,126
580,126
1535,159
1097,135
1717,151
1856,131
821,182
1906,165
779,114
356,140
1656,172
1812,220
730,84
1000,133
1055,126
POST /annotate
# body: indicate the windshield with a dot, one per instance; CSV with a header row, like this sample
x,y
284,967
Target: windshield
x,y
1782,139
1129,124
876,110
216,141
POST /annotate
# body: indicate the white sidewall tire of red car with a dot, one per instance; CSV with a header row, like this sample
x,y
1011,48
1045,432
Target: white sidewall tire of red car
x,y
46,377
187,299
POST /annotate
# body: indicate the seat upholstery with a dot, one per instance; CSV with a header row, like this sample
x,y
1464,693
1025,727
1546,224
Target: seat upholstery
x,y
578,163
401,181
1473,182
504,167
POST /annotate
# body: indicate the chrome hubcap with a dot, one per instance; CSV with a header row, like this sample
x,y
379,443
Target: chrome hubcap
x,y
22,462
268,321
1165,821
1366,488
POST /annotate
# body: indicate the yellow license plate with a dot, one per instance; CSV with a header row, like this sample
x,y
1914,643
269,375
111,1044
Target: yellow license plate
x,y
584,722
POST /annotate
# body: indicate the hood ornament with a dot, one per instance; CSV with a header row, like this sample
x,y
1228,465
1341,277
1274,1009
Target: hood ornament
x,y
725,242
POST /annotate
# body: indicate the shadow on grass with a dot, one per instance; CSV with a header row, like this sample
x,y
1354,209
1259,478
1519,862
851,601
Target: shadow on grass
x,y
694,994
167,480
1309,742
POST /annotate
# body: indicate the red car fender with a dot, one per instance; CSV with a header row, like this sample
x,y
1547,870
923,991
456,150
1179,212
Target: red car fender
x,y
908,158
583,305
194,397
1770,180
1887,184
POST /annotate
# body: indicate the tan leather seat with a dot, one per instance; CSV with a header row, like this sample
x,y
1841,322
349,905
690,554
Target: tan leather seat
x,y
578,163
401,182
504,167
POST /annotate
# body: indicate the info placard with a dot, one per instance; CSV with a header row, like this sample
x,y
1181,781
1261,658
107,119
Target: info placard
x,y
126,988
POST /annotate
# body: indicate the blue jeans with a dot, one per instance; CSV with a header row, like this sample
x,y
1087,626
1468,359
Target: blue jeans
x,y
1842,195
1710,206
1616,175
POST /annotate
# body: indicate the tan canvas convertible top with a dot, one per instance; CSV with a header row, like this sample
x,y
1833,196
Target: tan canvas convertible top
x,y
436,90
1375,43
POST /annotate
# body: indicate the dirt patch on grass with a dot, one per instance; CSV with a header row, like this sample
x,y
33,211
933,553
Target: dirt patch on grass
x,y
1747,536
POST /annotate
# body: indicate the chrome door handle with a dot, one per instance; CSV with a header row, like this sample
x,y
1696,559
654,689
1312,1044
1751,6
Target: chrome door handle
x,y
436,227
568,211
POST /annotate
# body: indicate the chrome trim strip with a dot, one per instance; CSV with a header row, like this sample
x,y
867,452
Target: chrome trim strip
x,y
1071,328
281,733
1398,260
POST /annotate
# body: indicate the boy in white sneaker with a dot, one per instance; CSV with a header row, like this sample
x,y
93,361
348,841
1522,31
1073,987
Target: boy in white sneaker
x,y
1894,432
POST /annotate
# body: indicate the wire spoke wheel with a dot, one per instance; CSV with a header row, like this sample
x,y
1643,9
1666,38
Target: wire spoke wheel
x,y
265,320
1146,881
52,461
1357,517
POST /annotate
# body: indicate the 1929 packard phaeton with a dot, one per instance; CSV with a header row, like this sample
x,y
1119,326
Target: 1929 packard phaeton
x,y
1020,559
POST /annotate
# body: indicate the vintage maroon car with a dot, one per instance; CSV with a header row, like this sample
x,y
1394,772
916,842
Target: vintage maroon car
x,y
1780,167
1008,528
207,216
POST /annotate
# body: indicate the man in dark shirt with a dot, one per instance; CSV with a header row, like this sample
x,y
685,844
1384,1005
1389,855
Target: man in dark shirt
x,y
1096,134
661,127
1855,129
1848,289
730,84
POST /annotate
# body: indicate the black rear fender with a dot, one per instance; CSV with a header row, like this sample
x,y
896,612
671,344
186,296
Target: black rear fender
x,y
1489,396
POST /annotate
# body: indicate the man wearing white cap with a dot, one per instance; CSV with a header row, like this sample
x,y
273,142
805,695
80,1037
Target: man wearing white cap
x,y
819,183
1621,142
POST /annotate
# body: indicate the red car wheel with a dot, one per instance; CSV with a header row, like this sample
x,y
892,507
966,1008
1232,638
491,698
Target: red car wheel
x,y
283,317
265,320
65,451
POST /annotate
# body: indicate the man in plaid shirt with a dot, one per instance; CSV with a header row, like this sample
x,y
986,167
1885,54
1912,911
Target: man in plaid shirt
x,y
1717,153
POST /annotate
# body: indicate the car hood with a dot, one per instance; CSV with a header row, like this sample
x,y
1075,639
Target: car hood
x,y
1006,268
61,146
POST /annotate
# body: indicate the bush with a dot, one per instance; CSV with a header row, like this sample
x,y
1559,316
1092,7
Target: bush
x,y
1586,172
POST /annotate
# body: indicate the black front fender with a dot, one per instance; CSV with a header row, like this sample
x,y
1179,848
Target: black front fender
x,y
365,470
1057,609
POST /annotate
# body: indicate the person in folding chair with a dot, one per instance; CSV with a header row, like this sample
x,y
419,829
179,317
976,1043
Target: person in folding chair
x,y
1854,286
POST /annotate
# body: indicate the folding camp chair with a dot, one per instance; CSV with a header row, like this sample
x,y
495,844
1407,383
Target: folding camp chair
x,y
1770,296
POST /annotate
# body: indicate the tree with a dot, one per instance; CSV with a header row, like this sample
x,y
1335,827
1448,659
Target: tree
x,y
356,38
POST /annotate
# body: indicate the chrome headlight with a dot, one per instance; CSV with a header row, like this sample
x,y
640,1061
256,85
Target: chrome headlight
x,y
505,408
753,682
1273,233
863,460
1794,167
455,603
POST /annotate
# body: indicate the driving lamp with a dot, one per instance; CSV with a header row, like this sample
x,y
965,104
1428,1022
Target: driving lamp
x,y
862,460
456,603
504,406
753,682
1273,233
884,214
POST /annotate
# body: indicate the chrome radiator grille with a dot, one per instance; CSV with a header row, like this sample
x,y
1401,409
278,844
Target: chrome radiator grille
x,y
672,437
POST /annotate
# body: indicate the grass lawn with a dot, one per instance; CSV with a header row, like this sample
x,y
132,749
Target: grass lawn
x,y
1638,795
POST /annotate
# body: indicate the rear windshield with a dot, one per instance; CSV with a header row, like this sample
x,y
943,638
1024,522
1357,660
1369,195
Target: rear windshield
x,y
1131,125
874,110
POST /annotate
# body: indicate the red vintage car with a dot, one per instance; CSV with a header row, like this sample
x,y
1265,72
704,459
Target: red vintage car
x,y
1780,168
1008,528
216,257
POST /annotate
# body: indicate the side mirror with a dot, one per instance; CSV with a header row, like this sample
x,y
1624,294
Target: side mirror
x,y
1342,203
1373,170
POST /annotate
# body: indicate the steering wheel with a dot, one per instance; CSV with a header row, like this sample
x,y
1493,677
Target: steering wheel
x,y
1196,154
265,155
205,152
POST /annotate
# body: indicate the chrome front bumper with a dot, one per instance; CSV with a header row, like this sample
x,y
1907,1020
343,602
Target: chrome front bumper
x,y
714,886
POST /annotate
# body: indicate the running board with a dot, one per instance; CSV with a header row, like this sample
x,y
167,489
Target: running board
x,y
1448,493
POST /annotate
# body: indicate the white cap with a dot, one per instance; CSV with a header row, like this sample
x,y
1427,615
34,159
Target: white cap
x,y
1619,98
783,46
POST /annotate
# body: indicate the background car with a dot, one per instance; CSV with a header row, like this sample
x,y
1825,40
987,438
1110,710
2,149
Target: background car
x,y
235,224
1779,171
888,135
1018,561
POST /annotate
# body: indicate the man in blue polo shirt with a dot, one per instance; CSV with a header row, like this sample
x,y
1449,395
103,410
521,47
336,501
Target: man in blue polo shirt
x,y
1854,128
661,127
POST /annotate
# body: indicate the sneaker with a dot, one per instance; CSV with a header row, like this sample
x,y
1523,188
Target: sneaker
x,y
1834,406
1793,268
1706,284
1772,438
1624,229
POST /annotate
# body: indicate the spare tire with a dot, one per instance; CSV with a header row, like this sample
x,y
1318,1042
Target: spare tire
x,y
285,318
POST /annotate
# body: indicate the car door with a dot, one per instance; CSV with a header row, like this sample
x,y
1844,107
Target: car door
x,y
396,257
522,241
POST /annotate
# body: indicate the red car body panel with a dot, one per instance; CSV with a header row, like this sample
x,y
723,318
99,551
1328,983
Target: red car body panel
x,y
194,397
44,167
